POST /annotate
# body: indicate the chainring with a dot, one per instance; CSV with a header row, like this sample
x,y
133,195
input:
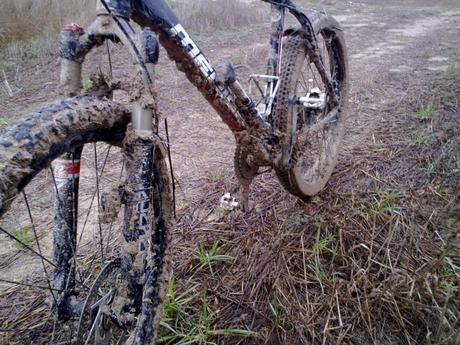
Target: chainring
x,y
245,172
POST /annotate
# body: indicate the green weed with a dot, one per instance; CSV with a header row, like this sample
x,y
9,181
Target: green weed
x,y
172,3
452,69
425,112
218,176
239,59
430,168
321,246
86,83
209,257
158,74
446,270
220,211
422,139
384,202
451,220
197,328
454,169
177,306
3,123
276,313
24,234
4,66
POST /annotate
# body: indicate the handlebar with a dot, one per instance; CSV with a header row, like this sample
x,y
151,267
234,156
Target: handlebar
x,y
286,3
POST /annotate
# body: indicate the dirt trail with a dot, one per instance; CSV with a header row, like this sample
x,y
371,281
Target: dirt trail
x,y
387,44
383,50
394,46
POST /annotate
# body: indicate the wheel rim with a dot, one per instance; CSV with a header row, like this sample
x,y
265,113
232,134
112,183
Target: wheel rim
x,y
26,260
103,320
314,161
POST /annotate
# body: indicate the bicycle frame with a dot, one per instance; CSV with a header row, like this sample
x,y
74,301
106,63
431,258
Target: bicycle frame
x,y
221,90
159,17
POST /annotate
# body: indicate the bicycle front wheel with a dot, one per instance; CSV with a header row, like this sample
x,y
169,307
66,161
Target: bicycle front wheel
x,y
57,266
311,149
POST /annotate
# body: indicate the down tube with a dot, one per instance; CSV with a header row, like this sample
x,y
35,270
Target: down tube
x,y
188,57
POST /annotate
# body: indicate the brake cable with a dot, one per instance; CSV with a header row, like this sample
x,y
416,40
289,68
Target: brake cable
x,y
301,17
125,31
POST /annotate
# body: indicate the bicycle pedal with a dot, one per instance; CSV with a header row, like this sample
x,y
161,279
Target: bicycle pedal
x,y
228,202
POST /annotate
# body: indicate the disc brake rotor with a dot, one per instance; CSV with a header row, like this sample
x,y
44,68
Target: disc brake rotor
x,y
98,323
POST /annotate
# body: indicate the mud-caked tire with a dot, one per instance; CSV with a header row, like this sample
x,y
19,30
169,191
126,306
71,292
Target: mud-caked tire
x,y
33,142
304,175
29,146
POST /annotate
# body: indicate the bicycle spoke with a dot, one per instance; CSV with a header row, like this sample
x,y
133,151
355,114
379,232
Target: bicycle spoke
x,y
26,246
96,192
101,241
38,245
92,198
121,338
314,75
55,185
34,286
304,82
109,236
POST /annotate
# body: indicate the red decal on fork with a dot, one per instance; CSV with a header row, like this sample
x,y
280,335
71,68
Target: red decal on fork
x,y
65,169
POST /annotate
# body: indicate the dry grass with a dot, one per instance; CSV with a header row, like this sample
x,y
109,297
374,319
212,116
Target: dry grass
x,y
23,19
373,265
373,260
203,15
28,26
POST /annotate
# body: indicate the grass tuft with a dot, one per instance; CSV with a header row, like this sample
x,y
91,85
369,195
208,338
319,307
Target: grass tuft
x,y
86,83
385,202
276,314
422,138
239,59
425,112
207,258
24,234
218,176
3,123
189,318
295,222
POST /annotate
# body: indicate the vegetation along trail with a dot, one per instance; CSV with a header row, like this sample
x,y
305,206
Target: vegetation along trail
x,y
373,259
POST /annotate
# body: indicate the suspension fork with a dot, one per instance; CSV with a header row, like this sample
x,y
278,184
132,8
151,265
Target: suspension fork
x,y
66,177
140,143
138,198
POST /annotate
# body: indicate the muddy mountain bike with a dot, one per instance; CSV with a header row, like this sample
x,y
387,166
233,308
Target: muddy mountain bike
x,y
289,118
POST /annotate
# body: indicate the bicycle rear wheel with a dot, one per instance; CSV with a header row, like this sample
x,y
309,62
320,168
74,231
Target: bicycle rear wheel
x,y
312,149
32,260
